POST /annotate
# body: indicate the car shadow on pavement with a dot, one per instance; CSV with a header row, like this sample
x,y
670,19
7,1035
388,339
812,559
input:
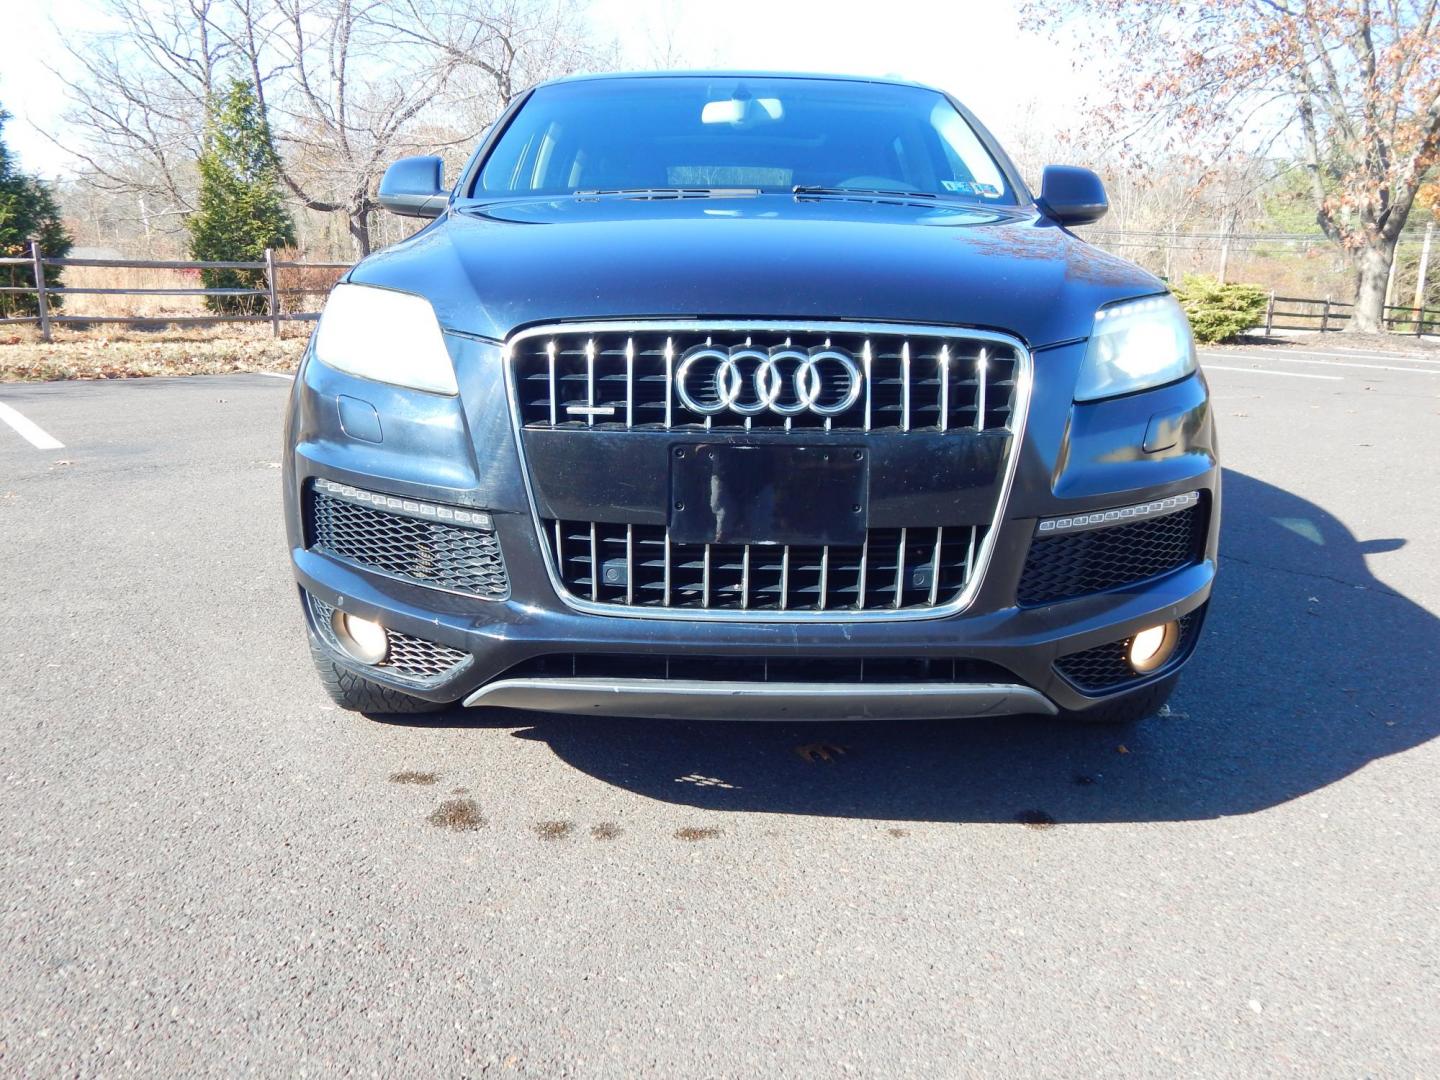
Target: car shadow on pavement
x,y
1309,669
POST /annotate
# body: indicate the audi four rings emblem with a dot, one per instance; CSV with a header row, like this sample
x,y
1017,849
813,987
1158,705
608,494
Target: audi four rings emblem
x,y
786,382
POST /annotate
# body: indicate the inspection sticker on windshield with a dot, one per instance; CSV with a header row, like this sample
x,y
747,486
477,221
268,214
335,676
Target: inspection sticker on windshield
x,y
966,187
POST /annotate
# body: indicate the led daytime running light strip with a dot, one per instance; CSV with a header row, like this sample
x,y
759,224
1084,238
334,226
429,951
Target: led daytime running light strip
x,y
413,507
1081,522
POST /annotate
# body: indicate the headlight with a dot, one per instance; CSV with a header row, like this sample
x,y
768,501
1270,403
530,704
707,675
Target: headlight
x,y
387,336
1135,345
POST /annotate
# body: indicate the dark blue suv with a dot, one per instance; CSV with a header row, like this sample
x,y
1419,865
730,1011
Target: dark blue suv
x,y
750,396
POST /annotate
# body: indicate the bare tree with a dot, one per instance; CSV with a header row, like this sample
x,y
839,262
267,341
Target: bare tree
x,y
505,46
141,104
348,86
343,95
1352,87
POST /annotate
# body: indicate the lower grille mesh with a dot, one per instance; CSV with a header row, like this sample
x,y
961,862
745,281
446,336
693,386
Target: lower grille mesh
x,y
411,658
1064,567
463,559
639,566
1108,666
860,670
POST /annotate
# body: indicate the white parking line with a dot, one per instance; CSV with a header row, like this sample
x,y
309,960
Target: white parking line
x,y
1347,363
1265,371
1371,359
274,374
1325,363
29,430
1362,354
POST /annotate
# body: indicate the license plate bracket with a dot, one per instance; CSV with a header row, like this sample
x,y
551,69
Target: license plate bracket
x,y
767,494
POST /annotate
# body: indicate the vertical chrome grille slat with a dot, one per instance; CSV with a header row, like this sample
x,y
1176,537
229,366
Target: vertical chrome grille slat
x,y
785,579
630,564
864,566
667,567
905,387
745,578
630,382
944,386
590,383
705,579
554,389
935,566
669,386
982,365
824,575
869,383
594,561
900,570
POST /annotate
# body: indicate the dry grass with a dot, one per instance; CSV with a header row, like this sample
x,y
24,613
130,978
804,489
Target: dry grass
x,y
129,354
119,277
109,351
315,282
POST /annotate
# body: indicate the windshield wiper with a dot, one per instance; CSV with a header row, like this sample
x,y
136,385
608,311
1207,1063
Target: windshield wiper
x,y
803,189
671,192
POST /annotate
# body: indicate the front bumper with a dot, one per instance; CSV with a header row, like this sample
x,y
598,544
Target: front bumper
x,y
461,452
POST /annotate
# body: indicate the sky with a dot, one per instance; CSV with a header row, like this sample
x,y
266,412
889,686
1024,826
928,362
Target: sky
x,y
1015,81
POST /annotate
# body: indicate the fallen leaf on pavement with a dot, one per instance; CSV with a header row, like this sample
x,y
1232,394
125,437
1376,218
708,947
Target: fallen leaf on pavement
x,y
819,751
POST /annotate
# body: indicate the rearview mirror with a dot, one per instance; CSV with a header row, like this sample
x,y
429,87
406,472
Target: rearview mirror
x,y
1071,195
414,187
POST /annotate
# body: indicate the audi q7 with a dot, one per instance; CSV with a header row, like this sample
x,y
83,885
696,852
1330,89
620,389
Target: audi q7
x,y
750,396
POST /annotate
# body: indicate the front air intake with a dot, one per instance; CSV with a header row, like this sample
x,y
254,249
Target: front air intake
x,y
1091,553
443,547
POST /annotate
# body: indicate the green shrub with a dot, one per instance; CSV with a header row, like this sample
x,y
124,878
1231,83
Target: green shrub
x,y
27,209
242,211
1220,312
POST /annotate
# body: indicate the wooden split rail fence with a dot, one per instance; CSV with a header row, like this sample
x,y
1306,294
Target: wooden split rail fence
x,y
46,318
1281,313
1299,313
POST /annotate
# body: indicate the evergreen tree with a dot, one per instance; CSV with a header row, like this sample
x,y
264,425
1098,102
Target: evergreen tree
x,y
241,210
27,209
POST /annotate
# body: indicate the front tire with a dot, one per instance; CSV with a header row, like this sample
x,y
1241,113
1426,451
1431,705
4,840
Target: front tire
x,y
359,694
1129,708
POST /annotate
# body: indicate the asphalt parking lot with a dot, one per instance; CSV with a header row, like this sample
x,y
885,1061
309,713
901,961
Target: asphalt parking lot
x,y
208,868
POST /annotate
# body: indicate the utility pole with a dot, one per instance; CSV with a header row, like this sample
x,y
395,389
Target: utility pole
x,y
42,305
1421,273
1224,254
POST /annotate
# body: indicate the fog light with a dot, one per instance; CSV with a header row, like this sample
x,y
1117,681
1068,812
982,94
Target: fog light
x,y
1149,649
363,639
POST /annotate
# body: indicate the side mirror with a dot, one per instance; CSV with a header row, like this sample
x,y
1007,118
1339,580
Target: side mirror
x,y
1071,195
413,187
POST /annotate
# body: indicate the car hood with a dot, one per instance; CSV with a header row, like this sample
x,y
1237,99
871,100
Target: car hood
x,y
494,268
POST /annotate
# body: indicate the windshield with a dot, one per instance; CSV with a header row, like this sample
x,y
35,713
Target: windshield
x,y
741,133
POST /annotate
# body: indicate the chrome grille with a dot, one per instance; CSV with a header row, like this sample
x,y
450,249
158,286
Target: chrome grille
x,y
625,377
639,566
